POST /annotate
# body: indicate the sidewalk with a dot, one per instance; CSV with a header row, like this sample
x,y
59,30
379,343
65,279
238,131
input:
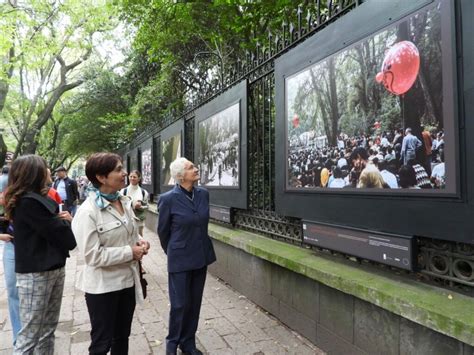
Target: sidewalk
x,y
229,324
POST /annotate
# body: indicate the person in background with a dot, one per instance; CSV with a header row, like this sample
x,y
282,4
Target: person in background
x,y
388,177
4,178
182,228
407,177
43,239
109,243
438,175
427,143
6,235
359,159
67,189
52,193
338,181
410,145
139,198
370,177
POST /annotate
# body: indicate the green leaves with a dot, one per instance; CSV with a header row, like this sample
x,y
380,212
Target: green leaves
x,y
44,44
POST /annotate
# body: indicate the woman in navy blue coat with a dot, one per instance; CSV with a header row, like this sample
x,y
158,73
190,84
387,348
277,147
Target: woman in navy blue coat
x,y
182,229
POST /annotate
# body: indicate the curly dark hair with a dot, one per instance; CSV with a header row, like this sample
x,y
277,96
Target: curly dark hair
x,y
28,173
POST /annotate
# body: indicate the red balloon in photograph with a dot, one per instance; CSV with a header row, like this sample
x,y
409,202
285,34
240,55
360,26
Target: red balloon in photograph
x,y
400,68
296,121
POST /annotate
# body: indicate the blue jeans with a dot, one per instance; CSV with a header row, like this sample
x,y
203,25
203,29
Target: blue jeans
x,y
12,290
73,210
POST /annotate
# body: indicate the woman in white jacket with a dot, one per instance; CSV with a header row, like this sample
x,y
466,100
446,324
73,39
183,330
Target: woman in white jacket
x,y
139,198
108,241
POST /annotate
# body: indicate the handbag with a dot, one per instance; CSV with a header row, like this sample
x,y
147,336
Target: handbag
x,y
143,281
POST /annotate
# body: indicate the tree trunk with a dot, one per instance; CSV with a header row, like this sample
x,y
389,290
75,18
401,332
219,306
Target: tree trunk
x,y
3,151
320,92
4,86
334,105
413,102
31,136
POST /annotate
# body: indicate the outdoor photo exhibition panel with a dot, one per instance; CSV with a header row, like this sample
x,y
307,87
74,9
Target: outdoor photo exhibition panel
x,y
125,161
171,148
146,168
156,165
367,132
220,149
133,160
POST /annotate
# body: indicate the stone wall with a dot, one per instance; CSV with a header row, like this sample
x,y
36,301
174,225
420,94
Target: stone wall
x,y
336,322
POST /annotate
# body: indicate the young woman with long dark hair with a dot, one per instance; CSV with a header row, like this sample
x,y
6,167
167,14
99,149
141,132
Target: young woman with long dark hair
x,y
43,239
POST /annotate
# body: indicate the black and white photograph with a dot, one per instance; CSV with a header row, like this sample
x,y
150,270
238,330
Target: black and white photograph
x,y
146,167
170,150
371,115
218,158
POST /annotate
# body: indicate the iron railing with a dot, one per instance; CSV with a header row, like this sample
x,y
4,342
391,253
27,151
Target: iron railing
x,y
448,264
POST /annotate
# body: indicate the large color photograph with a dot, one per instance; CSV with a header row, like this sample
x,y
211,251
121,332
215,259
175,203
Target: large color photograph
x,y
218,159
371,116
146,167
170,150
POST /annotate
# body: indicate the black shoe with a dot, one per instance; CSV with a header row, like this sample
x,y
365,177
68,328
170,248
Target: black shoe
x,y
193,352
171,353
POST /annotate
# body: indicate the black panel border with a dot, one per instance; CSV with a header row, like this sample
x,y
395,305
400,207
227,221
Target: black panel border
x,y
170,131
395,212
228,196
148,145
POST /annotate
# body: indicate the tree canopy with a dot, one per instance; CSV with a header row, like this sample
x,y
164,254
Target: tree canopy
x,y
44,45
60,98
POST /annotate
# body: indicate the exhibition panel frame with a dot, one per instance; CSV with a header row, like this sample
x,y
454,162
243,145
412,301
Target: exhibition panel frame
x,y
171,148
134,160
220,147
147,165
344,89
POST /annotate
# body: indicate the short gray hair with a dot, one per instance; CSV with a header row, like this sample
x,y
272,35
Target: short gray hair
x,y
177,168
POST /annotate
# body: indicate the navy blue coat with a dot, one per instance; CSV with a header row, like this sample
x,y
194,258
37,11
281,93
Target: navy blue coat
x,y
182,229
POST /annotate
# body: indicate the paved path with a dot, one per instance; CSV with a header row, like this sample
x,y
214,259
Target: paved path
x,y
229,324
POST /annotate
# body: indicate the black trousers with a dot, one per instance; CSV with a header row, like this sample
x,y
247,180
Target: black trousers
x,y
111,317
185,290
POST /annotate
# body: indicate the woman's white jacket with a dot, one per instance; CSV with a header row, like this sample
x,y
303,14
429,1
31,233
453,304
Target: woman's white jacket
x,y
105,239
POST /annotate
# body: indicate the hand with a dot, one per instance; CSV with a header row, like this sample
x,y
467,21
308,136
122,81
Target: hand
x,y
137,205
145,245
5,237
65,215
138,252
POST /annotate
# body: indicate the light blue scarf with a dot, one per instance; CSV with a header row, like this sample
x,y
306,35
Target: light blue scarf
x,y
99,196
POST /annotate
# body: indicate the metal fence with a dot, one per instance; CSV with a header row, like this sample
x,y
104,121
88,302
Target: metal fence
x,y
447,264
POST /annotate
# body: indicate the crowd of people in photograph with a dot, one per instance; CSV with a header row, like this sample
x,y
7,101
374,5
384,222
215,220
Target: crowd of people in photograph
x,y
219,166
390,159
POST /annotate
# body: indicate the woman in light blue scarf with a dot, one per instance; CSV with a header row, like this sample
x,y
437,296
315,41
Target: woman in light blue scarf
x,y
108,241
